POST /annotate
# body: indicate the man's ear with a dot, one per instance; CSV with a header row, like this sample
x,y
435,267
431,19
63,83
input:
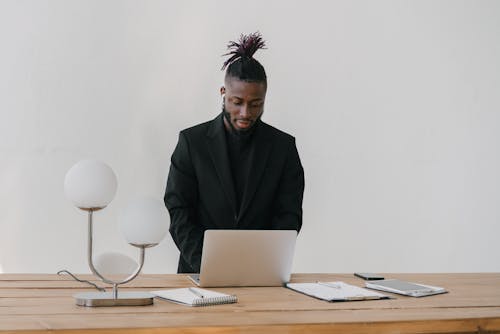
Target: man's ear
x,y
222,90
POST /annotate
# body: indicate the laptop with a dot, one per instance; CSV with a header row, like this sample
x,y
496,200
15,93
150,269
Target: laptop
x,y
246,258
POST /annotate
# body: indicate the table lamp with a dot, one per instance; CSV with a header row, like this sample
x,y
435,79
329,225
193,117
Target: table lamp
x,y
91,186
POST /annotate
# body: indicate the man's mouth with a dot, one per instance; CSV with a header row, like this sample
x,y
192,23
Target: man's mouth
x,y
243,123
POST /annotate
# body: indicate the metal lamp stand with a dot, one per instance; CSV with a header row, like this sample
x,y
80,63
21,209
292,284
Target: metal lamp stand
x,y
114,298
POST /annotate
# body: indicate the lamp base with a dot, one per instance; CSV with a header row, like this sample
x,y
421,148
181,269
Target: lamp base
x,y
94,299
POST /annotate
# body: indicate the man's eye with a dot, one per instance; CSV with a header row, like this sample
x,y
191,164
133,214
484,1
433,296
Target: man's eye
x,y
237,102
256,105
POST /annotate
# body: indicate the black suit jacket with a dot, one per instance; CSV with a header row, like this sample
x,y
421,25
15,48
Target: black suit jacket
x,y
200,193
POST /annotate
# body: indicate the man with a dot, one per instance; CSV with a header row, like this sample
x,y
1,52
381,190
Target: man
x,y
234,172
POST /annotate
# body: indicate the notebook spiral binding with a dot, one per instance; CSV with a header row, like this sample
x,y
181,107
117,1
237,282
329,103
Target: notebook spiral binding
x,y
215,300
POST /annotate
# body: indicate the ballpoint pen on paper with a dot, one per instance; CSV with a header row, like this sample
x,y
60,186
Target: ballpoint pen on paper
x,y
197,293
331,285
354,297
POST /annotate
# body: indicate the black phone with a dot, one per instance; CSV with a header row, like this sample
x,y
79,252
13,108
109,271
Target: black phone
x,y
369,276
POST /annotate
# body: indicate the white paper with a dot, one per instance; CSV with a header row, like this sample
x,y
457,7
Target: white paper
x,y
335,291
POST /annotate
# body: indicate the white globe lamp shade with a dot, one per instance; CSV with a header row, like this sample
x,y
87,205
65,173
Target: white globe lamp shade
x,y
113,263
90,184
144,222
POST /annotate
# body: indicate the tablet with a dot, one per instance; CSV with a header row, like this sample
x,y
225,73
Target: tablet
x,y
405,288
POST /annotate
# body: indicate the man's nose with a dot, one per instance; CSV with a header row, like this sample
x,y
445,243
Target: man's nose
x,y
244,111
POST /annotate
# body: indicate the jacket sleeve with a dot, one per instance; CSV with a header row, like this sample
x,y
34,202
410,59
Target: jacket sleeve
x,y
288,204
180,200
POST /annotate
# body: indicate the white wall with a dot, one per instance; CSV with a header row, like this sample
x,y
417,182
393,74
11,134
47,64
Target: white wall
x,y
395,106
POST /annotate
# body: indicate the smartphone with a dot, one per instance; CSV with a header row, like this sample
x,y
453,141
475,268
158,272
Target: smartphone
x,y
369,276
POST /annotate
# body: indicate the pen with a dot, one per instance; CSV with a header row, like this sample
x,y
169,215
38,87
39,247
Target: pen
x,y
197,293
335,286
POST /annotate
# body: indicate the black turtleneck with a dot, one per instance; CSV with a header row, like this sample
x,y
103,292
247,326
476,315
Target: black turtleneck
x,y
239,148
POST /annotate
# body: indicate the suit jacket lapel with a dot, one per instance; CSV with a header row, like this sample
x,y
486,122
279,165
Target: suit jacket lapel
x,y
217,147
260,155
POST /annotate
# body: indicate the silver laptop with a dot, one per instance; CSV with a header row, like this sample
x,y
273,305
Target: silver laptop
x,y
246,258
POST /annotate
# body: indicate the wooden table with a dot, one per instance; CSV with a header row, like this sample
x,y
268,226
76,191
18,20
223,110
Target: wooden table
x,y
32,303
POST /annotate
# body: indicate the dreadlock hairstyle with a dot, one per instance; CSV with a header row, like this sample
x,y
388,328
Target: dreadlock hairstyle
x,y
241,64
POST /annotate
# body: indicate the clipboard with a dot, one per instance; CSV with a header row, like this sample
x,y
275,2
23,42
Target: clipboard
x,y
335,291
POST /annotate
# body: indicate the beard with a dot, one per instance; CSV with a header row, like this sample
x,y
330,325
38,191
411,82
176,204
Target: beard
x,y
240,133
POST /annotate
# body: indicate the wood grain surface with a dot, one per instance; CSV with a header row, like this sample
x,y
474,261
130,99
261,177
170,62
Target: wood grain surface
x,y
32,303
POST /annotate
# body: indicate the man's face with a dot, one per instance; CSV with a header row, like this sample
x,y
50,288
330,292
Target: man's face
x,y
244,102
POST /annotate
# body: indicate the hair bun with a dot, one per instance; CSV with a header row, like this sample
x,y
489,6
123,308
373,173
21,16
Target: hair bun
x,y
244,48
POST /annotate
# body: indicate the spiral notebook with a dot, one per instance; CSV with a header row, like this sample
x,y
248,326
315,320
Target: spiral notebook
x,y
195,296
